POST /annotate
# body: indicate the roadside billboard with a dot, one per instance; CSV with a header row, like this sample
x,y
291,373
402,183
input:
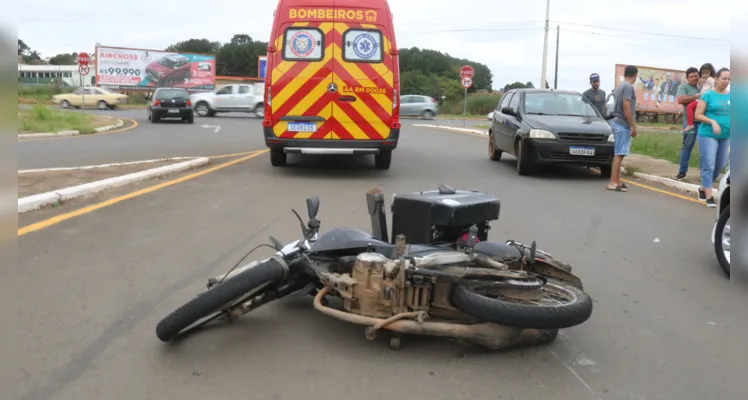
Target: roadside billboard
x,y
655,88
262,63
119,68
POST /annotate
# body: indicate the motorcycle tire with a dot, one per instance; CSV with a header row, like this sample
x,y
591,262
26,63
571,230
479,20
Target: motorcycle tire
x,y
525,315
266,274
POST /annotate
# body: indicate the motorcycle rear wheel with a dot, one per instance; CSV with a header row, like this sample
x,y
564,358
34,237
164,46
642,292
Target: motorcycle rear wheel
x,y
504,311
219,297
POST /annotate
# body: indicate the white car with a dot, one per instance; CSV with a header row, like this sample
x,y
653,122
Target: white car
x,y
721,229
230,98
490,116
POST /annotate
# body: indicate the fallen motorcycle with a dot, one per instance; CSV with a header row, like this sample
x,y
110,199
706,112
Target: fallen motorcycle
x,y
438,276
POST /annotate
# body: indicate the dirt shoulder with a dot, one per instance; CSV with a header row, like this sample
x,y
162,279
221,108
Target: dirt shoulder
x,y
32,183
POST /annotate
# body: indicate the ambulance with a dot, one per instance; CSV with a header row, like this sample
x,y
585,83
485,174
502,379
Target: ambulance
x,y
332,84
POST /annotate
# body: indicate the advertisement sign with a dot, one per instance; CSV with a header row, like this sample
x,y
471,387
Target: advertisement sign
x,y
262,64
139,69
655,88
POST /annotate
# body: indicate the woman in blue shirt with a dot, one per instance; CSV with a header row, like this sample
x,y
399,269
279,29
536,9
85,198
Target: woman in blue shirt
x,y
713,111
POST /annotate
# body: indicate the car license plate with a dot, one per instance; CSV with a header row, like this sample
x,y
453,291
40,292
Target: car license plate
x,y
581,151
302,126
174,111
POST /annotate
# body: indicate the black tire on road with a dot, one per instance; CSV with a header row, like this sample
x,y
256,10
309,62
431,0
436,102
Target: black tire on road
x,y
525,315
427,115
103,105
724,216
494,154
383,160
278,158
524,166
606,171
269,273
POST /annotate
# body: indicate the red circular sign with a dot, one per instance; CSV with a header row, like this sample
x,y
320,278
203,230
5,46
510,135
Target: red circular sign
x,y
466,82
83,69
83,59
467,71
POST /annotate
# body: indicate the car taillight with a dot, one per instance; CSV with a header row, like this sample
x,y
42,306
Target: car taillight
x,y
433,100
189,103
156,102
269,95
395,99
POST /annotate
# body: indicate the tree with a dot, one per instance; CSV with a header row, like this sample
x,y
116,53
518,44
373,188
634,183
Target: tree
x,y
529,85
515,85
195,46
435,63
22,48
64,59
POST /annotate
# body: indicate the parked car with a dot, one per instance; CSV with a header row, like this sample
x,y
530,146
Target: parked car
x,y
721,229
230,98
168,70
418,106
546,126
170,103
101,98
490,116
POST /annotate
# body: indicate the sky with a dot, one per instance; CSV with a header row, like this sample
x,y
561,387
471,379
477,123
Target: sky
x,y
506,35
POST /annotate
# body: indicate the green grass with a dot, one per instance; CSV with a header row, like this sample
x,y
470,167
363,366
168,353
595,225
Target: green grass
x,y
482,126
663,145
42,119
40,93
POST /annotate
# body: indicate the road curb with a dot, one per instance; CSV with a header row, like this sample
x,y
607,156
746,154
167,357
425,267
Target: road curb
x,y
45,135
85,167
686,187
119,124
449,128
37,201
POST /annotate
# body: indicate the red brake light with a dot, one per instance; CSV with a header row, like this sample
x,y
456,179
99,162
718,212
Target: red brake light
x,y
189,103
433,100
157,102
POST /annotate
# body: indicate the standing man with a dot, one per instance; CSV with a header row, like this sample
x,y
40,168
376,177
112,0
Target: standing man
x,y
686,94
623,124
595,95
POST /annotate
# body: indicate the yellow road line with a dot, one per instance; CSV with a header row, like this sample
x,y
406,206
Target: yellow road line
x,y
85,210
641,185
246,153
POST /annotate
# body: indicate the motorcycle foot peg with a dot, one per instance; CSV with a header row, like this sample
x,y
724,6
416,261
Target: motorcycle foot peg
x,y
370,332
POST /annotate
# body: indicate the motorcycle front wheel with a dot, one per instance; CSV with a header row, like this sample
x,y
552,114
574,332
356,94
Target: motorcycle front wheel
x,y
560,306
219,297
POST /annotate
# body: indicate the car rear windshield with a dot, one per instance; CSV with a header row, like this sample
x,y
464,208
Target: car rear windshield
x,y
549,103
171,94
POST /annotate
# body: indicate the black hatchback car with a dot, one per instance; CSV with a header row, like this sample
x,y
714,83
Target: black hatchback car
x,y
170,103
545,126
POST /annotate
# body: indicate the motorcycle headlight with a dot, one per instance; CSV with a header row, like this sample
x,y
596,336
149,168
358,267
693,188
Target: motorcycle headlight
x,y
611,138
541,134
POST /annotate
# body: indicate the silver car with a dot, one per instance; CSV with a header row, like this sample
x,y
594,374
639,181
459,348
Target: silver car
x,y
412,105
721,229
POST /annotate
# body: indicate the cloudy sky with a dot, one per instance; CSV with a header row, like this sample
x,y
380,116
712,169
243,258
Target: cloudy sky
x,y
506,35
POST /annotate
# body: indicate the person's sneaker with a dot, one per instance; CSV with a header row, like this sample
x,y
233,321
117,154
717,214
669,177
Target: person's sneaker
x,y
702,194
711,203
680,176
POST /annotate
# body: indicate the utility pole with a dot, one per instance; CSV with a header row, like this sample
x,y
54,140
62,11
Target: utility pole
x,y
555,79
545,43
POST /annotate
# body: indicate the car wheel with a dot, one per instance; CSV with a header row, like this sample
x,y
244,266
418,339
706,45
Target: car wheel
x,y
278,158
202,109
191,119
524,167
493,153
149,115
606,171
65,104
722,240
427,115
154,118
259,111
103,105
383,159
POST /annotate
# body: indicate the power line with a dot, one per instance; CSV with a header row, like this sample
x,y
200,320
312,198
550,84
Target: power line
x,y
637,44
643,32
480,30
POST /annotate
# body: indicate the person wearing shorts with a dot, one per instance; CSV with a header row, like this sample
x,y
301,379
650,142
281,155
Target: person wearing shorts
x,y
623,125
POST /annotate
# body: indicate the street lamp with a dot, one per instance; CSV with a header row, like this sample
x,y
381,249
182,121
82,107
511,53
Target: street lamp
x,y
545,43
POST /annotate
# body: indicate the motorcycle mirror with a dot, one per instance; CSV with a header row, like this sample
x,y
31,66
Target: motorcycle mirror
x,y
276,243
312,205
533,251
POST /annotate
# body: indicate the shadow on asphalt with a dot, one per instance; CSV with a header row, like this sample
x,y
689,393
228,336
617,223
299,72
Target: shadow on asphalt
x,y
335,166
555,172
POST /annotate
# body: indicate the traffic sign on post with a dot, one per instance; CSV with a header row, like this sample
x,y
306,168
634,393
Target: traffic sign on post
x,y
83,69
83,59
466,82
467,71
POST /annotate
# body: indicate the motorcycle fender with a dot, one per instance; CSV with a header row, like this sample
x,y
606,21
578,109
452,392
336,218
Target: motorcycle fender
x,y
550,270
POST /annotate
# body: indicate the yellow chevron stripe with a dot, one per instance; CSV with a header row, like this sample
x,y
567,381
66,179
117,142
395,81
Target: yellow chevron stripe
x,y
284,65
351,127
368,115
280,98
364,80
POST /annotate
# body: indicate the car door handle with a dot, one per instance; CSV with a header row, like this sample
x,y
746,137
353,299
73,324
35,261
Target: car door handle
x,y
347,98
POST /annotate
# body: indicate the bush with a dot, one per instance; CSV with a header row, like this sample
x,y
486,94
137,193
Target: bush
x,y
42,119
477,104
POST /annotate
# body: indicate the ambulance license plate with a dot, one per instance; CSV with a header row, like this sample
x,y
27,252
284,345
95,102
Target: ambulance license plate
x,y
302,126
581,151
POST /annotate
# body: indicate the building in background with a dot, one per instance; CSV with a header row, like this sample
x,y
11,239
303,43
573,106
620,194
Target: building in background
x,y
62,75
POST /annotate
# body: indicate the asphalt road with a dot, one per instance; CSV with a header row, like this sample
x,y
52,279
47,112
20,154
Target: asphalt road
x,y
224,134
90,290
